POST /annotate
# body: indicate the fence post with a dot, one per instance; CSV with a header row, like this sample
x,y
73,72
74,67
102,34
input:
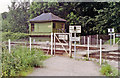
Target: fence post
x,y
100,51
114,39
97,39
51,43
79,41
84,40
88,47
9,46
90,39
54,43
110,38
30,43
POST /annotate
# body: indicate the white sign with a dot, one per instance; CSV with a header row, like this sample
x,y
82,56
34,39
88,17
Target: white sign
x,y
76,29
75,38
71,29
63,37
110,29
111,34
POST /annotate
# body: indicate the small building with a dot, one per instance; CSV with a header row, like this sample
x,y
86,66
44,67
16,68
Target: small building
x,y
45,24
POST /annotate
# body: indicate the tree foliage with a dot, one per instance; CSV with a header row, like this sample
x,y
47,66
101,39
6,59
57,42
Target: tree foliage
x,y
16,20
95,18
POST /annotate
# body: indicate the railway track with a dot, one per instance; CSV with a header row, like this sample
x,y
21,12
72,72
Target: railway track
x,y
108,55
59,50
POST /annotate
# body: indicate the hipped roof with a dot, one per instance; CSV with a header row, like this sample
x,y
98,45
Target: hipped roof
x,y
45,17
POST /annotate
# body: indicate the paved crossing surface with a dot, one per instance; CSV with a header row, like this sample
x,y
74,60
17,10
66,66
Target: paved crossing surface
x,y
64,66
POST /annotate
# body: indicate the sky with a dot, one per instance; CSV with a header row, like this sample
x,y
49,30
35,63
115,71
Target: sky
x,y
4,5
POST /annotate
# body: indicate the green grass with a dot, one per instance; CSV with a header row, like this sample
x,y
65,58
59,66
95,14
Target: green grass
x,y
20,60
107,70
26,72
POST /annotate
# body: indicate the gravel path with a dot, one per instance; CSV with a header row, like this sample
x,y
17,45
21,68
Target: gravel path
x,y
64,66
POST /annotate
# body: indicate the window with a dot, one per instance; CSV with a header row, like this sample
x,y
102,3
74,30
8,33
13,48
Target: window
x,y
53,25
62,26
32,27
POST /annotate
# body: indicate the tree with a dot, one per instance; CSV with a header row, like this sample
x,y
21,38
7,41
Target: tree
x,y
108,18
16,20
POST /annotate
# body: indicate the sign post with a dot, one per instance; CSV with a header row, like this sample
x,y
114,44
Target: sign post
x,y
75,46
74,29
111,31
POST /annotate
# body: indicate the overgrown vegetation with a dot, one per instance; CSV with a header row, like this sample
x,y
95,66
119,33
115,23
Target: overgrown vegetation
x,y
13,36
107,70
20,60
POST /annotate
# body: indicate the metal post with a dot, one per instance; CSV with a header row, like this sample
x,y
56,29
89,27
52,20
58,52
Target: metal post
x,y
9,46
100,51
51,43
30,43
88,47
54,43
75,45
84,40
114,39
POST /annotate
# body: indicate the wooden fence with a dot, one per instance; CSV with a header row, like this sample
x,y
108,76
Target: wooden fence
x,y
94,39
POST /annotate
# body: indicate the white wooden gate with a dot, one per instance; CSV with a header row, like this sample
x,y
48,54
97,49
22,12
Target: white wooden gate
x,y
62,39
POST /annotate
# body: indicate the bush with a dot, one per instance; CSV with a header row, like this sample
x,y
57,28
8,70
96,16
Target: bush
x,y
107,70
20,59
13,36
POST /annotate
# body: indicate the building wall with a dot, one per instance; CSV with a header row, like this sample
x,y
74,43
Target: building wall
x,y
41,28
46,28
59,27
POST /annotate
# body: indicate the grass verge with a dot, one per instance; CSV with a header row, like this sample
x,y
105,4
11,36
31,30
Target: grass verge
x,y
108,70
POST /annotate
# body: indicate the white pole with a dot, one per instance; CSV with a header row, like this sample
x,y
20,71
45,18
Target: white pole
x,y
30,43
79,42
100,51
88,47
75,46
97,39
110,38
54,43
9,46
114,39
84,40
51,43
70,44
